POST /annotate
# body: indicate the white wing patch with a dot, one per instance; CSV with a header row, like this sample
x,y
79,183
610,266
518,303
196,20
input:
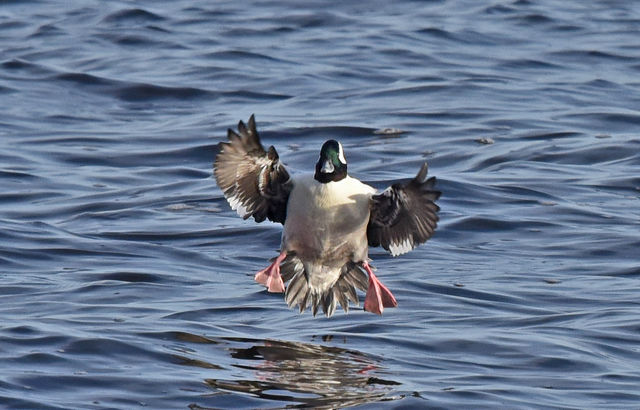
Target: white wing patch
x,y
237,206
402,247
261,179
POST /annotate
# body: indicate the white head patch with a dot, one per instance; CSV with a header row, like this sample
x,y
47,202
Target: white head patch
x,y
327,167
341,154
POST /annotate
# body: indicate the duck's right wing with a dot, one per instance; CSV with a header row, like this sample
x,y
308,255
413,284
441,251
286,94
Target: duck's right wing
x,y
254,181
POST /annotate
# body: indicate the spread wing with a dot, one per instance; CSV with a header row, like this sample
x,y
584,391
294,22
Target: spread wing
x,y
404,215
254,181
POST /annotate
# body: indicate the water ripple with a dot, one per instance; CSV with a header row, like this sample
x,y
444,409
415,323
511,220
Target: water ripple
x,y
127,281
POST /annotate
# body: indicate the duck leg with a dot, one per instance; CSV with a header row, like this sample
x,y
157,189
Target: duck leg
x,y
378,296
270,276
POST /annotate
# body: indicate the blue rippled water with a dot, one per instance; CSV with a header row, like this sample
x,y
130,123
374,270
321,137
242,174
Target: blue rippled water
x,y
126,280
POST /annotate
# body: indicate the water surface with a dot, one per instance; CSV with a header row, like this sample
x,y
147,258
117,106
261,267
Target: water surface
x,y
126,280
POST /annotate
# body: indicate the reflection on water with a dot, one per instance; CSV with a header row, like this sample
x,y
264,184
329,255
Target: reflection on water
x,y
302,373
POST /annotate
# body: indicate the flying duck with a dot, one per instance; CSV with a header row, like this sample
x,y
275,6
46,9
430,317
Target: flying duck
x,y
330,219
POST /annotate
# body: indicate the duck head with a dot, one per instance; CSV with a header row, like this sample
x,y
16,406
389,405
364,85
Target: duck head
x,y
331,166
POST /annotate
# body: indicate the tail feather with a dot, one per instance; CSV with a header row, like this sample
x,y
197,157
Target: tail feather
x,y
343,291
356,277
304,302
329,303
339,295
295,291
350,293
315,303
290,266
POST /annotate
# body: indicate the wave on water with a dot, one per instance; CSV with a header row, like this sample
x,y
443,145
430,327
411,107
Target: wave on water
x,y
127,281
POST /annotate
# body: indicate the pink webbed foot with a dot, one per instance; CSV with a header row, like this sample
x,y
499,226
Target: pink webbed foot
x,y
378,296
270,276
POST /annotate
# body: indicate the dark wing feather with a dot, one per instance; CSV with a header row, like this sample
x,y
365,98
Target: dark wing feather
x,y
253,180
404,215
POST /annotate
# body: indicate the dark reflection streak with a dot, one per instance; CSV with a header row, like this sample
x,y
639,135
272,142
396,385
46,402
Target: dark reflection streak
x,y
304,374
343,399
185,361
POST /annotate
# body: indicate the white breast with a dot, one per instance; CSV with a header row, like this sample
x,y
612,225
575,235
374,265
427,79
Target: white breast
x,y
326,220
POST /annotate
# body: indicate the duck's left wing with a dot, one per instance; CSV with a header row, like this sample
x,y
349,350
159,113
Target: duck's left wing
x,y
404,215
253,180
